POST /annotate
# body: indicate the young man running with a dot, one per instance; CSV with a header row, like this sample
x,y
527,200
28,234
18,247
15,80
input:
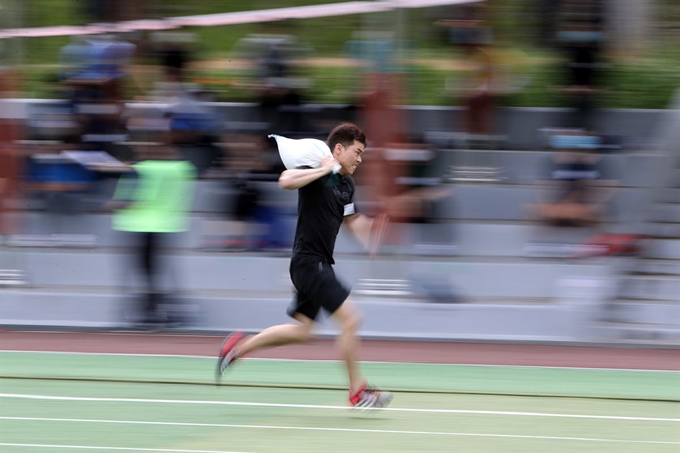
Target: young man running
x,y
325,199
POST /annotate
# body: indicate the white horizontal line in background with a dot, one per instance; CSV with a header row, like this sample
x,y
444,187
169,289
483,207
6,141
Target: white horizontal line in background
x,y
90,447
349,430
316,406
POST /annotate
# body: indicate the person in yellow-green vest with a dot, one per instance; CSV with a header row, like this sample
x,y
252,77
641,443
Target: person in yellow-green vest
x,y
153,202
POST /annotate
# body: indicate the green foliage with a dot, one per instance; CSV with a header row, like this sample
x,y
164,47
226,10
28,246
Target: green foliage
x,y
637,83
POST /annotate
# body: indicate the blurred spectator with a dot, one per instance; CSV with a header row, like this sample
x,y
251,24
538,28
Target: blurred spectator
x,y
245,155
474,37
416,183
580,35
281,93
255,218
194,128
579,191
95,77
408,186
172,86
280,89
63,184
575,194
89,122
479,91
153,203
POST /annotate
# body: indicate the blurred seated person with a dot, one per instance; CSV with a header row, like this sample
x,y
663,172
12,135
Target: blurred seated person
x,y
252,218
418,184
196,134
194,128
63,183
173,84
244,156
274,55
96,84
405,186
576,190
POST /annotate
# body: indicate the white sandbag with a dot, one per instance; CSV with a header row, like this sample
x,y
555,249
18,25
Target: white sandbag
x,y
304,152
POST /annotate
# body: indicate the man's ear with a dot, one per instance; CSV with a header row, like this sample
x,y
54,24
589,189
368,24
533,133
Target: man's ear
x,y
337,148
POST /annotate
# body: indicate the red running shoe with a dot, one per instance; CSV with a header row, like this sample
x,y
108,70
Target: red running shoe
x,y
227,354
370,398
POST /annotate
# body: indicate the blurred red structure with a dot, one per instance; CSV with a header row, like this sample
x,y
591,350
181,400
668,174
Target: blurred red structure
x,y
9,159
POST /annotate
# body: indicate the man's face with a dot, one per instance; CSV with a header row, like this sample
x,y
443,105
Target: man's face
x,y
349,157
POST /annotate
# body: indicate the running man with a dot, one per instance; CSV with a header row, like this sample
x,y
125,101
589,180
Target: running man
x,y
325,199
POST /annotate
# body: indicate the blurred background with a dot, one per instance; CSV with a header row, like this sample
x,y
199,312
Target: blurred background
x,y
527,152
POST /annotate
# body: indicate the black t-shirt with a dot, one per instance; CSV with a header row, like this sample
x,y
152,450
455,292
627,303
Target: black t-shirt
x,y
322,206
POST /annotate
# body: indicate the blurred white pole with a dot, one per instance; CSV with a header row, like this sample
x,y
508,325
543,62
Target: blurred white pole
x,y
667,150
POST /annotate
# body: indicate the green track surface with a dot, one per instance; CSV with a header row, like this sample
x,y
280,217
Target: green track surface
x,y
296,406
324,374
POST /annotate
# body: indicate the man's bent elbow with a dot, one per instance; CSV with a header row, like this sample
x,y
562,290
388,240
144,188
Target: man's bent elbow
x,y
286,183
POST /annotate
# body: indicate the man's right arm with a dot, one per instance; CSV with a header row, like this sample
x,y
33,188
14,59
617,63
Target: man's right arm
x,y
300,177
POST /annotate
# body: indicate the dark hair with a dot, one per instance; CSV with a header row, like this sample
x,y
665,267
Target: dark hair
x,y
345,134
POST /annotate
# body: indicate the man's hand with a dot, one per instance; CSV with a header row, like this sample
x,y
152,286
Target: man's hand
x,y
378,230
297,178
369,232
328,163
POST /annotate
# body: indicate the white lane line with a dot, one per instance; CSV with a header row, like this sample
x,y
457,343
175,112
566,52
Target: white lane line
x,y
92,447
261,359
346,430
316,406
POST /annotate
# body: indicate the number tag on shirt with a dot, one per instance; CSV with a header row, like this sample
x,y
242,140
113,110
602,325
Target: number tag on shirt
x,y
349,209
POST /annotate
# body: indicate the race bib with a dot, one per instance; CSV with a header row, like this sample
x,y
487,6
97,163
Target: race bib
x,y
349,209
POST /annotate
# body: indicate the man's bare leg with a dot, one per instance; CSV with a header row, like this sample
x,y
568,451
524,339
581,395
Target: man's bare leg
x,y
277,336
348,343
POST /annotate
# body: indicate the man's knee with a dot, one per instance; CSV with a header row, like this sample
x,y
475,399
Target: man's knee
x,y
354,322
305,333
305,328
349,317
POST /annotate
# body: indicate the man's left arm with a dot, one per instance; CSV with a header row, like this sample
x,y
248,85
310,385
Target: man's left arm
x,y
368,231
360,226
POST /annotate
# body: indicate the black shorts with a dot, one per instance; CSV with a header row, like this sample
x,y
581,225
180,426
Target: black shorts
x,y
316,287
